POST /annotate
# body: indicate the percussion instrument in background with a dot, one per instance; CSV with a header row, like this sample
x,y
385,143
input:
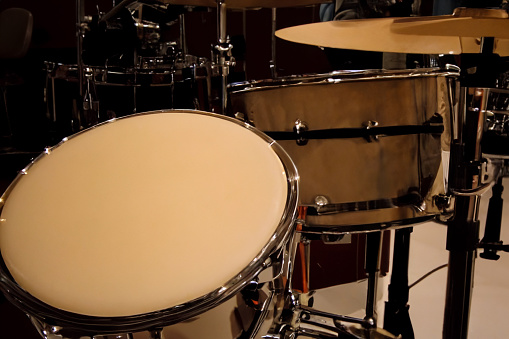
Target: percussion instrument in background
x,y
183,84
126,227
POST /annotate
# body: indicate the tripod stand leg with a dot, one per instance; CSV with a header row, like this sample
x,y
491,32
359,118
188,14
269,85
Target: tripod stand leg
x,y
396,316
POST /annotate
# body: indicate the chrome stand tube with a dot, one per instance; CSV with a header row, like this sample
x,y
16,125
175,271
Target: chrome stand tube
x,y
273,68
372,265
80,7
463,227
222,56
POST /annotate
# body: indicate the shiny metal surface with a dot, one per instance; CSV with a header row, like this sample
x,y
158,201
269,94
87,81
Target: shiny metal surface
x,y
368,185
246,3
272,259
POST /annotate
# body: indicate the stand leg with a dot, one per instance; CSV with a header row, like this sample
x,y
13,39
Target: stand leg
x,y
462,235
396,316
373,249
463,228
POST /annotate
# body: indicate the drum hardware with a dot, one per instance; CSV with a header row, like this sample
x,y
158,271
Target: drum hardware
x,y
81,28
299,129
468,181
272,62
396,317
413,198
368,125
491,242
298,311
90,102
222,58
371,131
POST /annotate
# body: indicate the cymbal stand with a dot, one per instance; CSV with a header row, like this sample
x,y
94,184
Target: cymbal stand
x,y
273,68
80,34
182,34
478,74
222,58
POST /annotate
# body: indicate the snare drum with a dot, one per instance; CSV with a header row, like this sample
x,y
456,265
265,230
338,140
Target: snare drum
x,y
368,144
144,221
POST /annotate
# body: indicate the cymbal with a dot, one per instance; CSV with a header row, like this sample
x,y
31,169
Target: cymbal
x,y
247,3
378,35
464,22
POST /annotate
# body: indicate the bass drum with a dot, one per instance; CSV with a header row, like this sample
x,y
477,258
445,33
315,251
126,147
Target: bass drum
x,y
147,221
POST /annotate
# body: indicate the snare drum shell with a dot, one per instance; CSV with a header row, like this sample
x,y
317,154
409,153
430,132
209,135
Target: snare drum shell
x,y
355,170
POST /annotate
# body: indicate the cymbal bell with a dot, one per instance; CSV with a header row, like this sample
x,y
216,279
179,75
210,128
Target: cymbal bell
x,y
379,35
237,4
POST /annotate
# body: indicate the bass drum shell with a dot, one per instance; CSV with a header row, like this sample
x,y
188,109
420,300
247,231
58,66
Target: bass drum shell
x,y
358,175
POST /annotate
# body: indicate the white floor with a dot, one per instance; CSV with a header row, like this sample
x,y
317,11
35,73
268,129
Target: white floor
x,y
490,295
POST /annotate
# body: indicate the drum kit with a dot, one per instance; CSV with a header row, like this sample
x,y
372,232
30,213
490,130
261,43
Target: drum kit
x,y
140,223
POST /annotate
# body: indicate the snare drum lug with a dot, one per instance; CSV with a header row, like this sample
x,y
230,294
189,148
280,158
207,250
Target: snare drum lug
x,y
320,201
240,116
300,127
442,201
369,124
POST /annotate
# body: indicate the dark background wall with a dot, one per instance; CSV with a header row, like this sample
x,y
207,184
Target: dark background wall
x,y
54,40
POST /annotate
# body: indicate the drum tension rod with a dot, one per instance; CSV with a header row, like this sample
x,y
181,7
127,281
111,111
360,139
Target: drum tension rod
x,y
369,131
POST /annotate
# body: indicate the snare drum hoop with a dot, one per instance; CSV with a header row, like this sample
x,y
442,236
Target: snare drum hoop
x,y
122,324
337,77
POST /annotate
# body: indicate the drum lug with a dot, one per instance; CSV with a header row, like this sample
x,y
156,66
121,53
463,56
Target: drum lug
x,y
45,330
251,294
321,200
369,124
240,116
443,201
300,127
